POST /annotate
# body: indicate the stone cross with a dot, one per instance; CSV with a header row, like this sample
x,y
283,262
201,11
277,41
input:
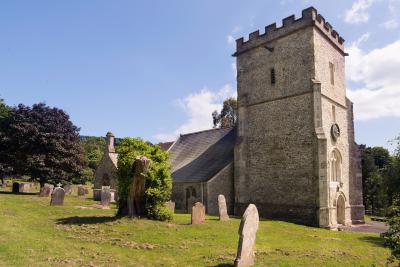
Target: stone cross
x,y
46,190
57,197
223,211
105,196
135,199
198,213
247,237
170,205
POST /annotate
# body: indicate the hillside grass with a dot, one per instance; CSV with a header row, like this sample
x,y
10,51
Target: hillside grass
x,y
32,233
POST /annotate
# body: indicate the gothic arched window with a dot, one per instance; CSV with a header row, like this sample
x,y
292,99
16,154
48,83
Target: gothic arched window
x,y
336,166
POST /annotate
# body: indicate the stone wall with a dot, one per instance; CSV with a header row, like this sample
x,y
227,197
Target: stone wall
x,y
180,191
222,183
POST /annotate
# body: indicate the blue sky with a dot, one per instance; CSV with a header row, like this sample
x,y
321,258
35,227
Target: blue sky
x,y
159,68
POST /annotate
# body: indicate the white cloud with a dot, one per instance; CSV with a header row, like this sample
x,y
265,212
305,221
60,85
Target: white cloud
x,y
378,70
198,108
358,13
390,24
230,40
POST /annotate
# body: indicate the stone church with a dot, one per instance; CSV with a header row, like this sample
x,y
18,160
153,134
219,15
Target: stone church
x,y
293,152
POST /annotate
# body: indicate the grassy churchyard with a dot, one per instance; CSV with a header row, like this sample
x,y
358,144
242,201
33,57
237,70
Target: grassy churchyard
x,y
32,233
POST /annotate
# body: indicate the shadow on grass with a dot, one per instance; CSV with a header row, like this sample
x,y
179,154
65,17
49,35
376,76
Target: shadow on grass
x,y
376,240
222,265
87,220
25,193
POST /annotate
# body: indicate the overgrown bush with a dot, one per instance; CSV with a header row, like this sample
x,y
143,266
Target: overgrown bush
x,y
392,236
158,186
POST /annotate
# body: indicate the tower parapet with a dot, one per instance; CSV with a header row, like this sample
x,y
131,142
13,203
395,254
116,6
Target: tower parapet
x,y
310,17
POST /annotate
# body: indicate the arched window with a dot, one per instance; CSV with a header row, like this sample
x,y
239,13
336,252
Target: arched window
x,y
336,166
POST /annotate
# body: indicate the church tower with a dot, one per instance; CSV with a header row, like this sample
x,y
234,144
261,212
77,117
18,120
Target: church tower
x,y
295,155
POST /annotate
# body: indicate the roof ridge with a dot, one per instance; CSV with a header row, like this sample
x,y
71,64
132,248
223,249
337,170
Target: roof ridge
x,y
208,130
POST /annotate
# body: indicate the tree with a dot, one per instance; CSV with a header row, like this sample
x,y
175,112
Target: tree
x,y
93,149
43,143
228,115
5,168
158,185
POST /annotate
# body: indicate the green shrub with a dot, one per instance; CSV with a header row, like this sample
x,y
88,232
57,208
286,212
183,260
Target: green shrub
x,y
158,180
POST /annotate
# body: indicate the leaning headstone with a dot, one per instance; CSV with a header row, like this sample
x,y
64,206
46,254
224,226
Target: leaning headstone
x,y
57,197
223,211
136,205
15,188
68,189
105,196
46,190
247,237
198,213
170,205
81,190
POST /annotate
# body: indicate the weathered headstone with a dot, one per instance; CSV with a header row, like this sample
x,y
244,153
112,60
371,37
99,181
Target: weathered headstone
x,y
170,205
135,200
247,237
112,196
223,211
105,196
68,189
46,190
81,190
15,188
24,187
57,197
198,213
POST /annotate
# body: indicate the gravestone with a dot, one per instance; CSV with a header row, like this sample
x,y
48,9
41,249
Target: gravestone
x,y
46,190
171,206
57,197
105,196
15,188
198,213
24,188
68,189
81,190
223,211
112,196
135,200
247,237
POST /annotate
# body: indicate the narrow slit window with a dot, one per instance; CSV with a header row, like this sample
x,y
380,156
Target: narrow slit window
x,y
333,114
332,72
273,78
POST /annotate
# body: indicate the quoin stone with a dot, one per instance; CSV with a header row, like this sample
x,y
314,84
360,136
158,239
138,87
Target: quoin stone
x,y
105,196
57,197
198,213
247,237
223,212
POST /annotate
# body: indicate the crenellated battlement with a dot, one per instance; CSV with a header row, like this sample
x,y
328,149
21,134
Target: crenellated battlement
x,y
310,17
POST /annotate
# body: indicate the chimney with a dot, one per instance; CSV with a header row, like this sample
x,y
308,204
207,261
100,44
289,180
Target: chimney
x,y
110,143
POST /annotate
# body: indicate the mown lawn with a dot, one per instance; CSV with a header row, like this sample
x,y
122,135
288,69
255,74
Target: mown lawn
x,y
32,233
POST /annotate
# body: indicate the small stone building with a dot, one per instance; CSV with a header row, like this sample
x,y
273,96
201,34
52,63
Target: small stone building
x,y
106,172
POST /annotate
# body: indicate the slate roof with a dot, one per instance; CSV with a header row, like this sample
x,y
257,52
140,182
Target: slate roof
x,y
197,157
114,158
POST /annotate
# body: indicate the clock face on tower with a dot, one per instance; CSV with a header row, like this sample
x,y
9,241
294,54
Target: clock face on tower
x,y
335,131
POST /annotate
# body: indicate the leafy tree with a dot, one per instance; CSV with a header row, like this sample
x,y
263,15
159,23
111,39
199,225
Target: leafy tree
x,y
228,115
43,143
158,185
5,168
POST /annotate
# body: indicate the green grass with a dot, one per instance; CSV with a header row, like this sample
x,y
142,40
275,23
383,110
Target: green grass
x,y
32,233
